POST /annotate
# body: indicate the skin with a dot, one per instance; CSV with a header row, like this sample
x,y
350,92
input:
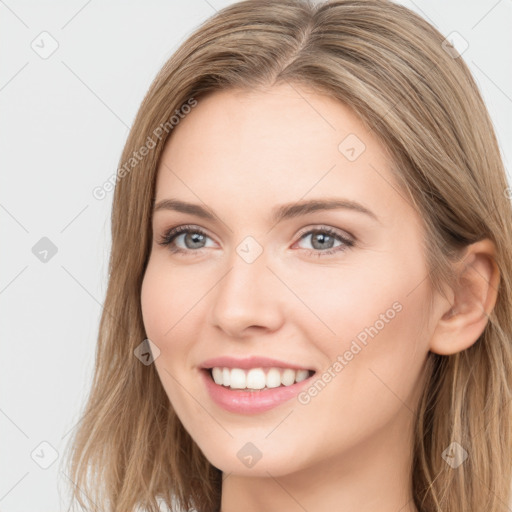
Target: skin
x,y
240,154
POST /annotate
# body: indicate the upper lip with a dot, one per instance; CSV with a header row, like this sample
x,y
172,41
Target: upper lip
x,y
249,362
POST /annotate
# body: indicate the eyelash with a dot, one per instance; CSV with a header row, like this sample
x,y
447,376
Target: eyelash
x,y
170,235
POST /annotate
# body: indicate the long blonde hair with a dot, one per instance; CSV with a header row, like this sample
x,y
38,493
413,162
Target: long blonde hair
x,y
391,67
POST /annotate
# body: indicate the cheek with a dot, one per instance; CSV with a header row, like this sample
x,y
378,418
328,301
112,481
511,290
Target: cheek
x,y
382,354
165,301
167,295
374,370
336,305
372,316
173,302
154,302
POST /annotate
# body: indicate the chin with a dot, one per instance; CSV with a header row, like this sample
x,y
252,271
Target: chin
x,y
246,459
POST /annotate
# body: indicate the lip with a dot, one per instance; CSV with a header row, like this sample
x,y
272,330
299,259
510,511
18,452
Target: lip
x,y
250,402
249,362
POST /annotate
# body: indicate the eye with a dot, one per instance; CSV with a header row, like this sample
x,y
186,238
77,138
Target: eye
x,y
323,239
193,237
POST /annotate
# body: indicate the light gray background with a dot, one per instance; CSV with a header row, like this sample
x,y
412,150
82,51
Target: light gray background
x,y
64,121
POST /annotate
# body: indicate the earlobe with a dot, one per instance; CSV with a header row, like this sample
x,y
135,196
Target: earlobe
x,y
463,321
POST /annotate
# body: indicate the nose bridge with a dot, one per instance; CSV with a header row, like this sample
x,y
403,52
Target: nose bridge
x,y
247,295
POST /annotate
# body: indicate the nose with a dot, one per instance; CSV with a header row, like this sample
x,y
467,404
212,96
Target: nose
x,y
249,299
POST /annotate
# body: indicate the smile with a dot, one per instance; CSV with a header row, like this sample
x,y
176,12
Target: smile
x,y
253,385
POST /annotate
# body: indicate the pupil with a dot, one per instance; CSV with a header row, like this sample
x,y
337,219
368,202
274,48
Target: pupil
x,y
322,237
196,238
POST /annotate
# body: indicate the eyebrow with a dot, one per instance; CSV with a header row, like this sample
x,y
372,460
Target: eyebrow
x,y
279,213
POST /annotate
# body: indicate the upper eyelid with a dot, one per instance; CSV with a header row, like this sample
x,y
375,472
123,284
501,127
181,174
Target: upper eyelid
x,y
324,227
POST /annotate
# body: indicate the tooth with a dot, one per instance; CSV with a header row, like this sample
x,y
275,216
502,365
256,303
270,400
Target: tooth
x,y
256,378
288,377
237,378
301,375
217,375
226,373
273,379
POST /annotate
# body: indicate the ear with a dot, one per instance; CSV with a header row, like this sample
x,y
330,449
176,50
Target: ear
x,y
464,318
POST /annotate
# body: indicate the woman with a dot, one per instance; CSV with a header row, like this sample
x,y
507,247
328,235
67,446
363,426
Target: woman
x,y
309,301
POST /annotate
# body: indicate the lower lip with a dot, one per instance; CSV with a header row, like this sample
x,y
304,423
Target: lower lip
x,y
250,402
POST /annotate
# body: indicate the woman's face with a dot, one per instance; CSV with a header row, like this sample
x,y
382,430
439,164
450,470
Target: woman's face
x,y
338,291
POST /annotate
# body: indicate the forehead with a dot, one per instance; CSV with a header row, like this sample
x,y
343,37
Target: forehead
x,y
275,145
